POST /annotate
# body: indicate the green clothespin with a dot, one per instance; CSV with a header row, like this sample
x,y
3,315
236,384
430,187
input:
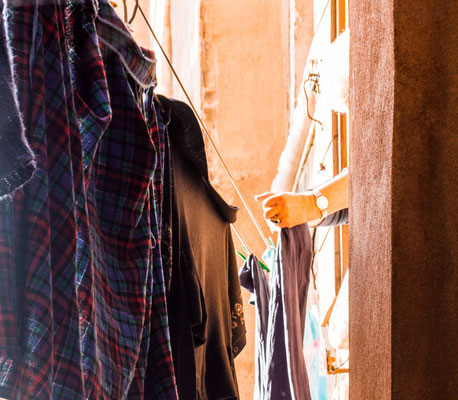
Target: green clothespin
x,y
243,257
264,266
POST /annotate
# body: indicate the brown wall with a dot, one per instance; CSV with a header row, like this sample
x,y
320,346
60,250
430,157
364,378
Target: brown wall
x,y
371,128
403,240
424,199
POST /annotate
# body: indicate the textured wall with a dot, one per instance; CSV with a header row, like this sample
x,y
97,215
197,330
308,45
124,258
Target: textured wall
x,y
245,103
404,145
233,55
424,200
186,47
301,20
139,28
371,129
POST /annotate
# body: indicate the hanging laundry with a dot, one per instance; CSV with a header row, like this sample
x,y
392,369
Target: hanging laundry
x,y
182,290
205,304
82,301
16,158
39,317
160,342
315,351
280,317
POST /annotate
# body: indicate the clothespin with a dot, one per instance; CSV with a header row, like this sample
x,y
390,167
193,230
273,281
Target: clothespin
x,y
113,4
243,257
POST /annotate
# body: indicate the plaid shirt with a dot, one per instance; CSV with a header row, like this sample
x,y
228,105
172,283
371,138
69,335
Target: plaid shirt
x,y
159,323
82,301
16,158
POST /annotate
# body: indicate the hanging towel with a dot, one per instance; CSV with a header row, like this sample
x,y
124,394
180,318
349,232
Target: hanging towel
x,y
280,317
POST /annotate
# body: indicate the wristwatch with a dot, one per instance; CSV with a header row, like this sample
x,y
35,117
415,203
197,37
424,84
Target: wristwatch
x,y
321,202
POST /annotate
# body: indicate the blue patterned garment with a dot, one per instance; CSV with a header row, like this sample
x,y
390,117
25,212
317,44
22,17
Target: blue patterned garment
x,y
81,299
157,379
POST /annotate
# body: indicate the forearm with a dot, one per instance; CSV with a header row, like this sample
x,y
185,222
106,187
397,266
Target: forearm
x,y
336,191
290,209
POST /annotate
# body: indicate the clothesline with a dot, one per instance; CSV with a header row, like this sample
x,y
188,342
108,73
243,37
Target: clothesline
x,y
231,178
237,233
322,16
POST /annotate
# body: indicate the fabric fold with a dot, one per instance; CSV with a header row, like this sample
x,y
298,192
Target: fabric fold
x,y
17,163
139,62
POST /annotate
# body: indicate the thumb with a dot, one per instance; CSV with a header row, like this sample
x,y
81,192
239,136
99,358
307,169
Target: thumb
x,y
263,196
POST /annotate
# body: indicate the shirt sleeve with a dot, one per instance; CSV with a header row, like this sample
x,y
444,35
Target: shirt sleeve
x,y
17,163
338,218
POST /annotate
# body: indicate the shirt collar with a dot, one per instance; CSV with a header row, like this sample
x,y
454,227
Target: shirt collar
x,y
113,33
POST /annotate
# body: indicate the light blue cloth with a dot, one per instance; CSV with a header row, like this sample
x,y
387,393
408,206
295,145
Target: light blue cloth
x,y
315,356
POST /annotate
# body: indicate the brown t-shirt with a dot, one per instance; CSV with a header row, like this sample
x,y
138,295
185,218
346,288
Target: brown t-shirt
x,y
207,248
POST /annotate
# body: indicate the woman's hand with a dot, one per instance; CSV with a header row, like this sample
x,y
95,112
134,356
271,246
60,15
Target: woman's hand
x,y
288,209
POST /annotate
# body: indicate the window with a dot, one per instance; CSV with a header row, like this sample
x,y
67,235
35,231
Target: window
x,y
340,161
338,18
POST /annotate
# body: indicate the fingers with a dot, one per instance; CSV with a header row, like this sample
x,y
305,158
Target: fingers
x,y
284,223
274,228
275,208
270,212
263,196
272,201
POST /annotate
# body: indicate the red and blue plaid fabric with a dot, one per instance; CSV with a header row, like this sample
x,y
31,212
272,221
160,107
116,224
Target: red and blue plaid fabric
x,y
160,355
81,292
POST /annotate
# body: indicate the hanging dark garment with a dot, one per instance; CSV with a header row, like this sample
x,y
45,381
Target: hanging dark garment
x,y
280,317
205,304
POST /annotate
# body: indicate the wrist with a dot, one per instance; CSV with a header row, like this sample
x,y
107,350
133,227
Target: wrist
x,y
313,212
321,202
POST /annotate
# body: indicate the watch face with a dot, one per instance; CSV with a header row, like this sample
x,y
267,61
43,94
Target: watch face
x,y
322,202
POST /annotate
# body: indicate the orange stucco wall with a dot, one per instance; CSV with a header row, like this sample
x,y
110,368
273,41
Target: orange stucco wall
x,y
245,78
233,58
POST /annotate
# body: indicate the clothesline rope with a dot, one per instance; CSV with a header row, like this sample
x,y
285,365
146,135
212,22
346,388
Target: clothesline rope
x,y
322,243
240,238
321,19
231,178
